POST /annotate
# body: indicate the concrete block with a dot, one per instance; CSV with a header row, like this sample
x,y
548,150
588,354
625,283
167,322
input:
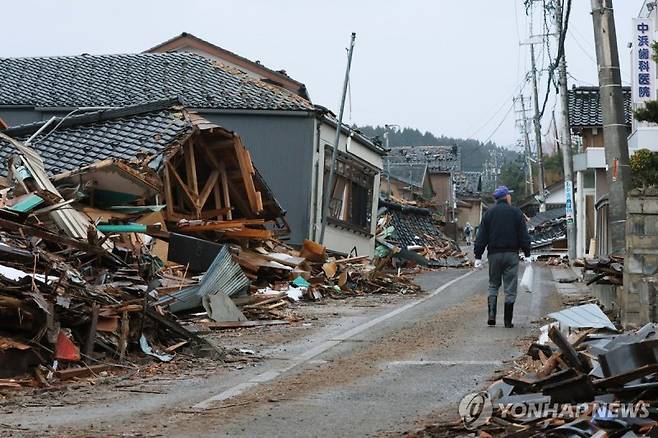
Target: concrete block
x,y
635,225
650,206
634,264
634,242
650,264
651,225
634,205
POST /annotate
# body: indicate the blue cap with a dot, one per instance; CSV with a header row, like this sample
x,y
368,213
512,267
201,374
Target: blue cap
x,y
501,192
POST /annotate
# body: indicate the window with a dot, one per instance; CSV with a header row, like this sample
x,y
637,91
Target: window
x,y
351,197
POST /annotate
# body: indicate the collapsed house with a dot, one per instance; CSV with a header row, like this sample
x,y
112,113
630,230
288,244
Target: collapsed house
x,y
548,230
411,234
89,217
153,157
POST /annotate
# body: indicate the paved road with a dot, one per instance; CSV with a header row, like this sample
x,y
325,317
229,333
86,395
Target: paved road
x,y
373,375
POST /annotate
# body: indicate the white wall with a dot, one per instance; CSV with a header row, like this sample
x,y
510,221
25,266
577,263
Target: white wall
x,y
339,239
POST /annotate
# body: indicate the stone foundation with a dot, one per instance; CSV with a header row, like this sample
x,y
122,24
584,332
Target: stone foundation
x,y
638,299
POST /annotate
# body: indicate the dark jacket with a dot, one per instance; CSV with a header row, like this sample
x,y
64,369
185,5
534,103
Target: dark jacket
x,y
503,229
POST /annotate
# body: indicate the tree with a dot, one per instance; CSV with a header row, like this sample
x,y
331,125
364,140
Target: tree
x,y
512,175
644,164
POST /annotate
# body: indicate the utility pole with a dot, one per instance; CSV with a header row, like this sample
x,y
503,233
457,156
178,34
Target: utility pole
x,y
388,164
614,121
540,160
327,192
565,143
528,152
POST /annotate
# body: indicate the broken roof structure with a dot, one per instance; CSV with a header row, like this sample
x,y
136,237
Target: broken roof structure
x,y
199,169
413,174
129,79
468,184
548,228
437,158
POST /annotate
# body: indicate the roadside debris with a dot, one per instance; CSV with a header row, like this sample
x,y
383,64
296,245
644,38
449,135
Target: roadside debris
x,y
582,377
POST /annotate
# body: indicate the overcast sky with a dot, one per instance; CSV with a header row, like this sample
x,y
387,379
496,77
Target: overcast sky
x,y
446,66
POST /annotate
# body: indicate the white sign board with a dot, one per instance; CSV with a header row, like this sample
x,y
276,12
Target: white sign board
x,y
568,203
643,67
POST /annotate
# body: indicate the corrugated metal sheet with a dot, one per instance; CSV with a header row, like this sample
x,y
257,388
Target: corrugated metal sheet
x,y
223,276
585,316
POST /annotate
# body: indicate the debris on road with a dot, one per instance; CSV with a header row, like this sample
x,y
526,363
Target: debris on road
x,y
581,378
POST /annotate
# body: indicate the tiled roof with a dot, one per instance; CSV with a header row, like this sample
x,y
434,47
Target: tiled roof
x,y
468,183
410,173
121,80
85,139
437,158
585,107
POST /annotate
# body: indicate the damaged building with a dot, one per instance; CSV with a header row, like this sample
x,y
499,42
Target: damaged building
x,y
288,137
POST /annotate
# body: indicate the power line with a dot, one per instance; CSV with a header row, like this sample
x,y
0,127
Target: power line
x,y
518,87
500,124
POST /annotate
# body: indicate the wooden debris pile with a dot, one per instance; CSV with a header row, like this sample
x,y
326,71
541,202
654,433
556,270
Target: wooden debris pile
x,y
606,270
582,377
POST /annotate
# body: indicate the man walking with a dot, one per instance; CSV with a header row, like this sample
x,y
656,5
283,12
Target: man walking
x,y
503,233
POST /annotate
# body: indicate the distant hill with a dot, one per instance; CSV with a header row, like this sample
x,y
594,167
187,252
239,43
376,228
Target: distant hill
x,y
474,152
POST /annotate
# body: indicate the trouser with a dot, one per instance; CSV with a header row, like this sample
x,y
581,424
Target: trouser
x,y
469,239
504,268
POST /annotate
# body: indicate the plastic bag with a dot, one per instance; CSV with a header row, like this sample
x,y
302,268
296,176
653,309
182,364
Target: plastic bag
x,y
528,279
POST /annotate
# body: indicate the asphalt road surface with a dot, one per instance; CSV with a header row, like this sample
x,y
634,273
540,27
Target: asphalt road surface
x,y
384,373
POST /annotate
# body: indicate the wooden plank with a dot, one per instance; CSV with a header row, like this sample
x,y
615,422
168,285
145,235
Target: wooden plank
x,y
225,191
250,233
217,194
30,230
123,339
190,168
243,324
91,337
182,184
207,189
569,354
90,370
221,225
246,168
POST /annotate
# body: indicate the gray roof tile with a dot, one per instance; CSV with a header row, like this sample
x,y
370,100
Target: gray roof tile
x,y
585,107
122,80
437,158
82,140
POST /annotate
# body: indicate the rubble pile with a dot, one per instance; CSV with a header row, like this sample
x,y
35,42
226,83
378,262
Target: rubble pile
x,y
106,261
582,377
408,235
606,270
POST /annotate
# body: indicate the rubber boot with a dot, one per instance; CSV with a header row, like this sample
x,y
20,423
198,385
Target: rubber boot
x,y
509,310
492,311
